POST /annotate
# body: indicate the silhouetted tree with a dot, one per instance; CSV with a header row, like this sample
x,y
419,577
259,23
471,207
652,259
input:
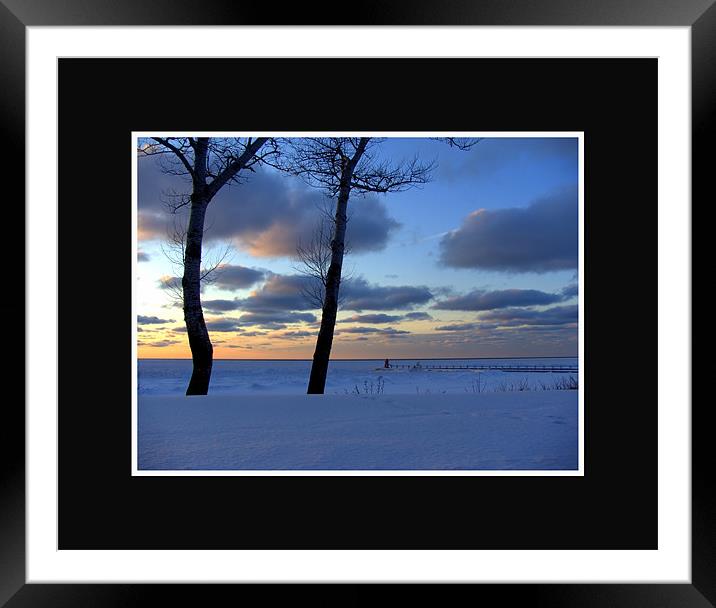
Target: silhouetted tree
x,y
210,163
341,166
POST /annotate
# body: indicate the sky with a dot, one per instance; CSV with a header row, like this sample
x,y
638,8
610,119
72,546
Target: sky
x,y
479,262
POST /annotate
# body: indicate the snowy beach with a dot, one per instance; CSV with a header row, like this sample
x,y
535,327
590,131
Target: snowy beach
x,y
491,431
369,419
257,417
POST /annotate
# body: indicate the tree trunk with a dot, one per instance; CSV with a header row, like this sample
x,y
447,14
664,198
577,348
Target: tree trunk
x,y
319,368
322,354
202,351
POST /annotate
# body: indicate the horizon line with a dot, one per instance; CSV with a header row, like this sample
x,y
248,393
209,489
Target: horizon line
x,y
366,358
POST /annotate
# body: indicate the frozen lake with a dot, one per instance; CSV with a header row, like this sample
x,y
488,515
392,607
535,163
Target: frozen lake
x,y
366,377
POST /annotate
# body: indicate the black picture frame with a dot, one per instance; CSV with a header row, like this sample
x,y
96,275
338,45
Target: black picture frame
x,y
17,15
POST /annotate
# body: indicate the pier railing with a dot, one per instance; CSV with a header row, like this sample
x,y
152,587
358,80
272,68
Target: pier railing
x,y
573,369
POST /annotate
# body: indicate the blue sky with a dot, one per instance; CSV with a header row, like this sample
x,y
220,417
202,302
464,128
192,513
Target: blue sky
x,y
481,261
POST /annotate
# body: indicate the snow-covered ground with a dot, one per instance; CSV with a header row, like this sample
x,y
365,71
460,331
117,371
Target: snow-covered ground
x,y
242,377
525,430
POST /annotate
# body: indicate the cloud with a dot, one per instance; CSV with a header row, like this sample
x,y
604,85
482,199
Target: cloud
x,y
228,277
418,316
380,318
388,331
570,291
272,325
220,306
173,284
458,327
224,325
280,300
490,341
263,320
279,293
232,278
360,295
374,318
153,216
541,237
265,216
170,282
142,256
284,292
296,334
512,317
489,300
142,320
160,343
273,317
277,303
493,155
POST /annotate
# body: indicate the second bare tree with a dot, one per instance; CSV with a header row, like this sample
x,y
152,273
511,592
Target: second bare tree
x,y
341,166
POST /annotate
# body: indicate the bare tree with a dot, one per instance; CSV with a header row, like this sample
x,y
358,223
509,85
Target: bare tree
x,y
341,166
208,164
174,250
314,260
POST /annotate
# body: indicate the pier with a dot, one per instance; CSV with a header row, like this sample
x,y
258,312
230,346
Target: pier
x,y
563,369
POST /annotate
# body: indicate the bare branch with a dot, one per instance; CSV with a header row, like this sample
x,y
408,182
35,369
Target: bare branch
x,y
172,285
321,163
245,160
384,177
210,162
175,251
314,258
175,201
178,152
461,143
212,271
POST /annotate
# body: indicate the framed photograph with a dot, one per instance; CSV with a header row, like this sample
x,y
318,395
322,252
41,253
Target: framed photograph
x,y
339,367
357,304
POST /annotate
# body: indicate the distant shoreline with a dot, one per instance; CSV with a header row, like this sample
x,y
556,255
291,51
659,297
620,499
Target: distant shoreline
x,y
377,358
